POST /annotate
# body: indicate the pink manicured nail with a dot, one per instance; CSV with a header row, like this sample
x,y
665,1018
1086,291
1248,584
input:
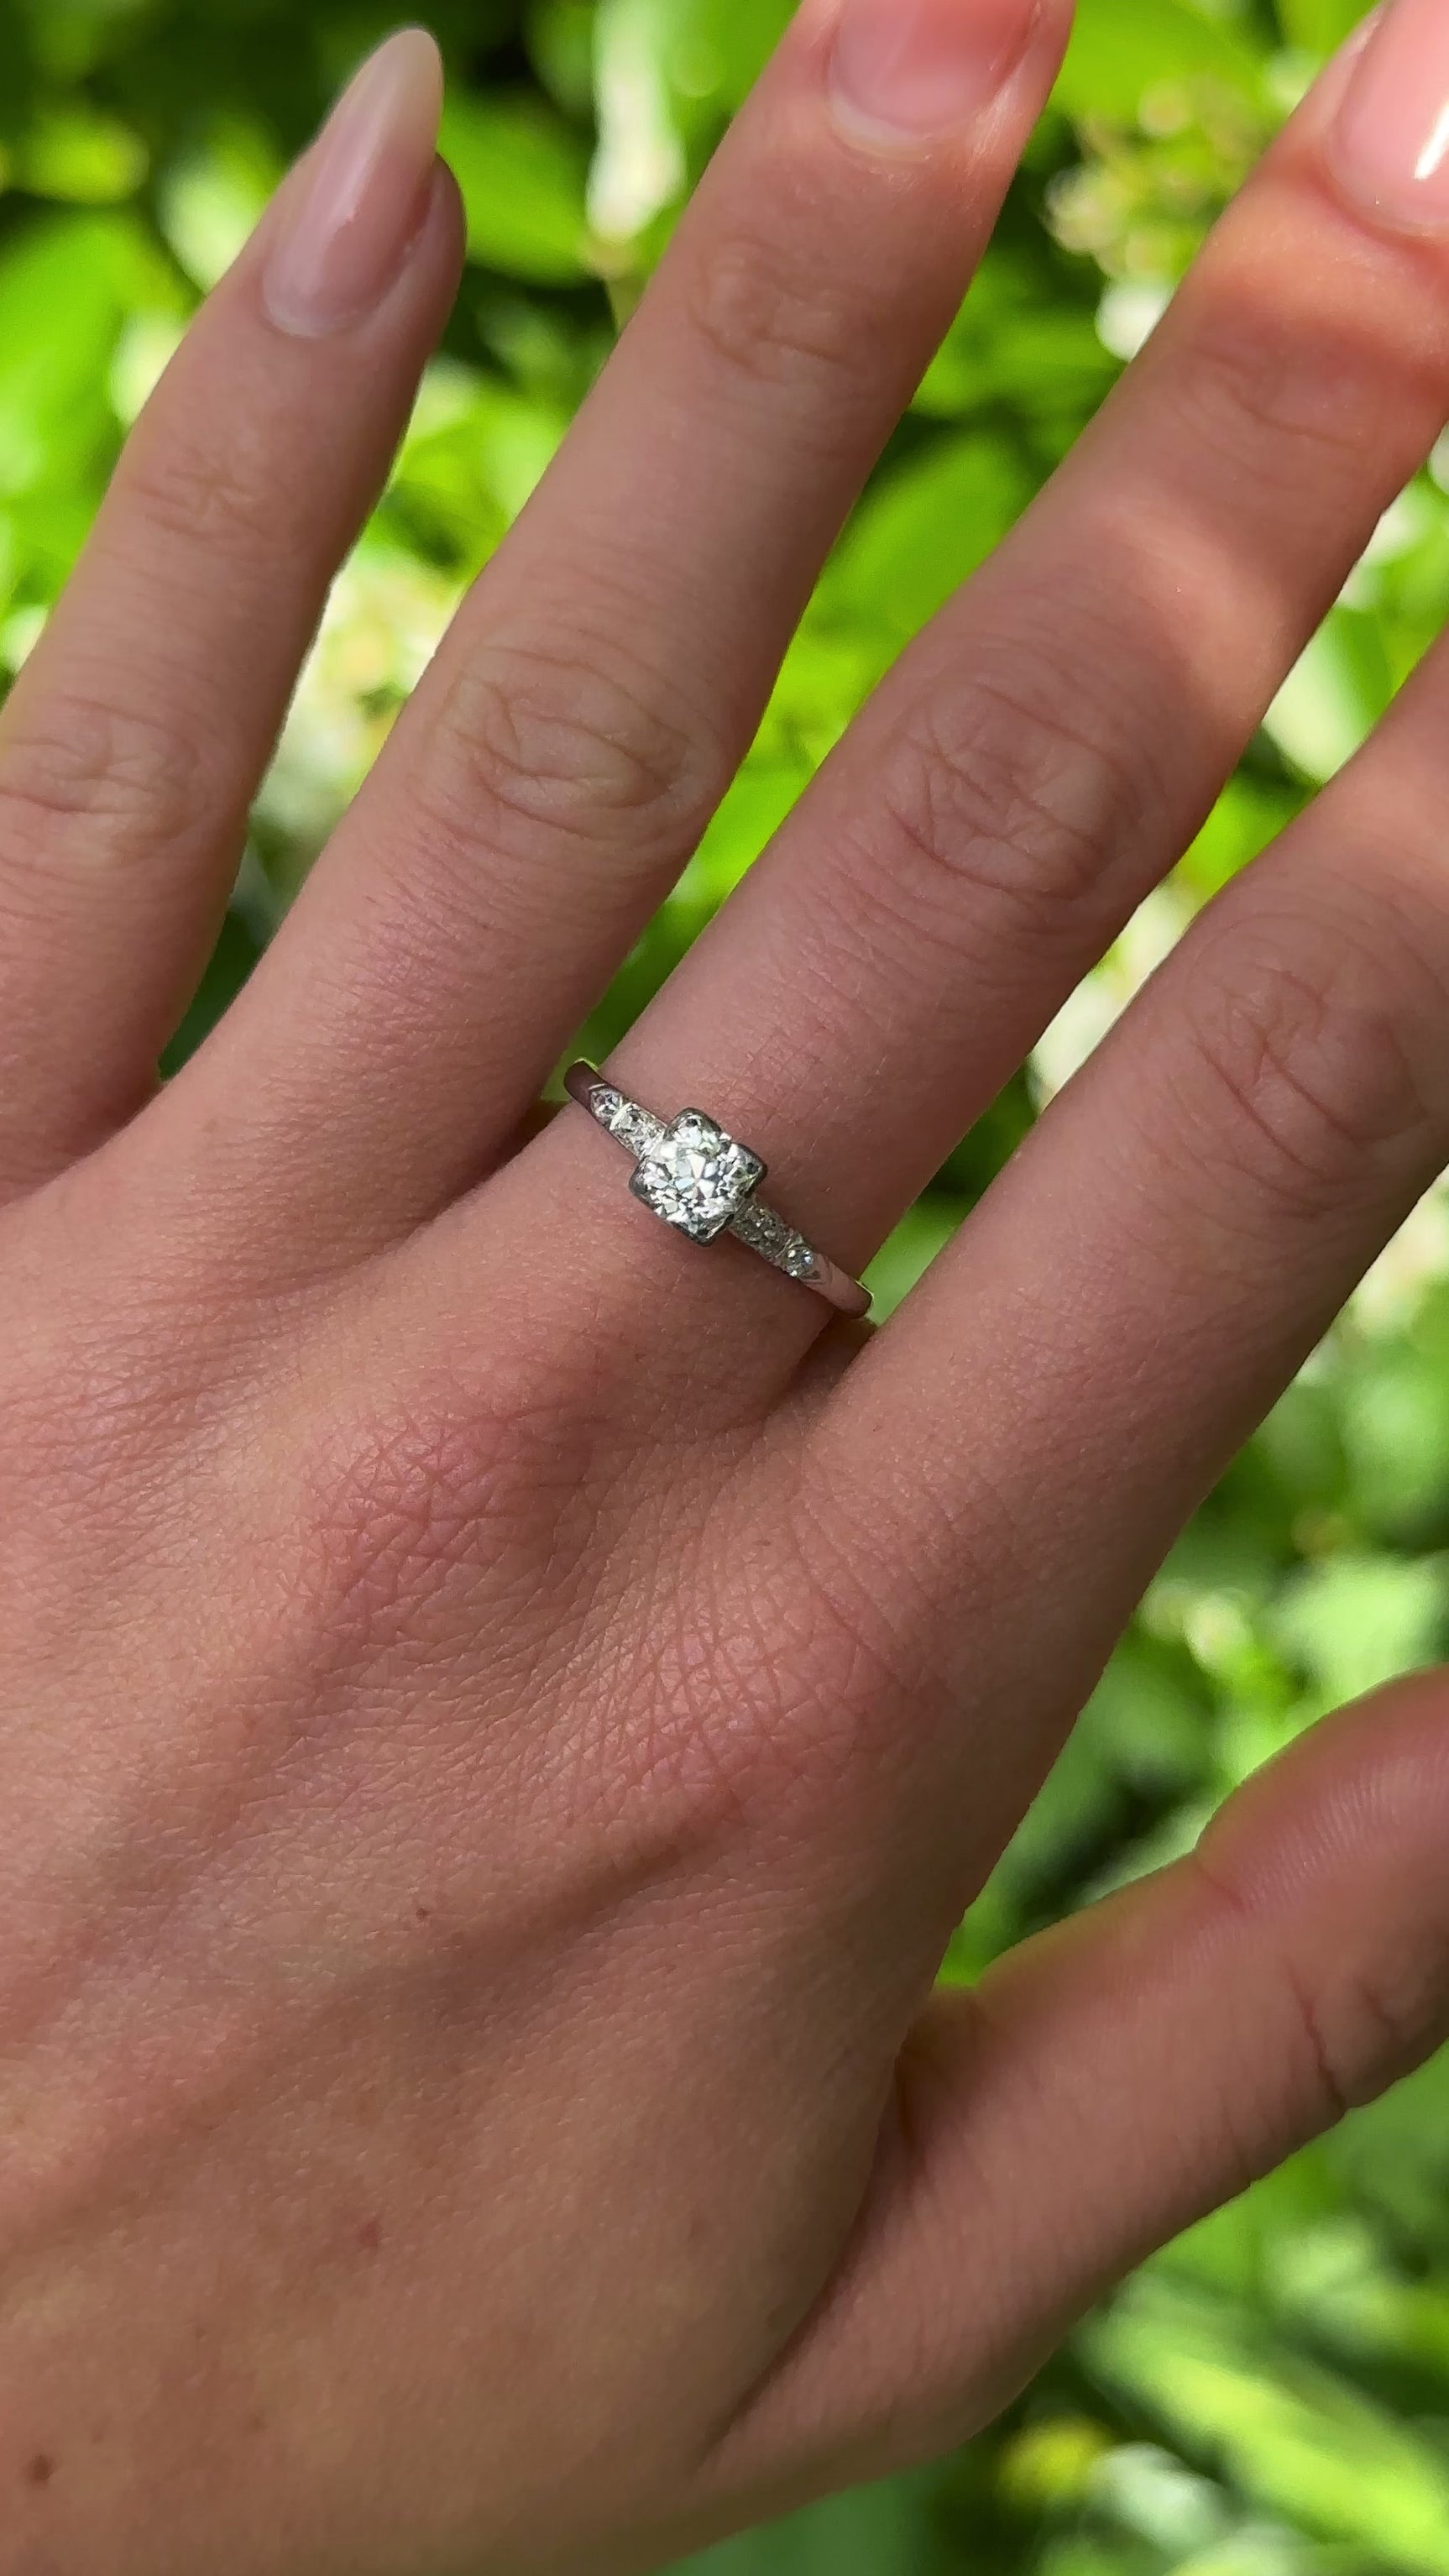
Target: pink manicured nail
x,y
915,68
354,203
1391,141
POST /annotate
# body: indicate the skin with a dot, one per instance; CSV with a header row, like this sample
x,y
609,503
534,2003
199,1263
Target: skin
x,y
502,1711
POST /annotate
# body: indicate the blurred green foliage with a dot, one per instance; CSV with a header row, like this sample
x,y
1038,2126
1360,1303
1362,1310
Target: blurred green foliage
x,y
1271,2395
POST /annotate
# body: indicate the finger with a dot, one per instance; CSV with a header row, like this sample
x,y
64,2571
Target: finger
x,y
1118,2079
134,740
559,763
1046,751
1174,1239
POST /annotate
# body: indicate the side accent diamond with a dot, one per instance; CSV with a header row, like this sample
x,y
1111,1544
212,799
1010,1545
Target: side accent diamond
x,y
776,1242
636,1128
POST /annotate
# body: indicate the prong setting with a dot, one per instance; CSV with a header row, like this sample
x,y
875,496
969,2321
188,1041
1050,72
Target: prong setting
x,y
697,1178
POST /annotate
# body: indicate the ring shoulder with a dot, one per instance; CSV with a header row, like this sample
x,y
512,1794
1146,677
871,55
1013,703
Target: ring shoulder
x,y
636,1129
776,1242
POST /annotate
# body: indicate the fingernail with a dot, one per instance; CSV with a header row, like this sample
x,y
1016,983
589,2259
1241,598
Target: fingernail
x,y
915,68
354,202
1391,140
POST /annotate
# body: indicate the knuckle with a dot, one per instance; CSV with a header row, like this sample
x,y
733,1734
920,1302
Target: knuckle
x,y
410,1505
1379,2026
753,1699
91,1484
992,800
226,495
68,758
1236,381
854,1635
1361,2028
770,314
1298,1059
536,740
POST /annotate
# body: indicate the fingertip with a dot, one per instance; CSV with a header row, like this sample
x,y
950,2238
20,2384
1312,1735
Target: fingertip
x,y
348,216
1363,1797
416,46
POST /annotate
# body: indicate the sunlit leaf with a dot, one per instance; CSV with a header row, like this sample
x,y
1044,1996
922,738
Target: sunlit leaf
x,y
925,530
1301,2441
66,285
1319,26
212,197
523,175
1123,49
84,158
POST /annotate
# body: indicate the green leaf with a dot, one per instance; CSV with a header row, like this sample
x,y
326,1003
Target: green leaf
x,y
1247,818
917,1241
1334,696
1355,1622
523,173
66,287
213,196
924,530
474,454
886,2528
719,47
1040,360
560,36
1300,2441
82,157
1123,49
1319,26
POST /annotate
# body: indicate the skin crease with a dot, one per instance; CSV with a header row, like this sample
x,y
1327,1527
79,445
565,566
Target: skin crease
x,y
500,1713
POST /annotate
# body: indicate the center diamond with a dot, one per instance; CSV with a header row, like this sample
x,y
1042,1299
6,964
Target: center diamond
x,y
697,1177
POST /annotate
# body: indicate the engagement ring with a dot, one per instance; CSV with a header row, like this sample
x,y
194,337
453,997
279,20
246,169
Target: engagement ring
x,y
704,1183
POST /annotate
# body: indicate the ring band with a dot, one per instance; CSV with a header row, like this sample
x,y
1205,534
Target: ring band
x,y
703,1183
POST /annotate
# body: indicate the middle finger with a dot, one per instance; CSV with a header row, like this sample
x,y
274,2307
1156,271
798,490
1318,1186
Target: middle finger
x,y
559,763
1050,747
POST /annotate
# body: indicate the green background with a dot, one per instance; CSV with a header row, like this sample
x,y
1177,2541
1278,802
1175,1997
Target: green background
x,y
1273,2393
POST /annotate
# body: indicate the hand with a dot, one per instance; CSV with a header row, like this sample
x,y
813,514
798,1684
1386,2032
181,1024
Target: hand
x,y
504,1709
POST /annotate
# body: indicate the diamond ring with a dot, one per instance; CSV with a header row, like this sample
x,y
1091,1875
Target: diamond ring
x,y
703,1183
